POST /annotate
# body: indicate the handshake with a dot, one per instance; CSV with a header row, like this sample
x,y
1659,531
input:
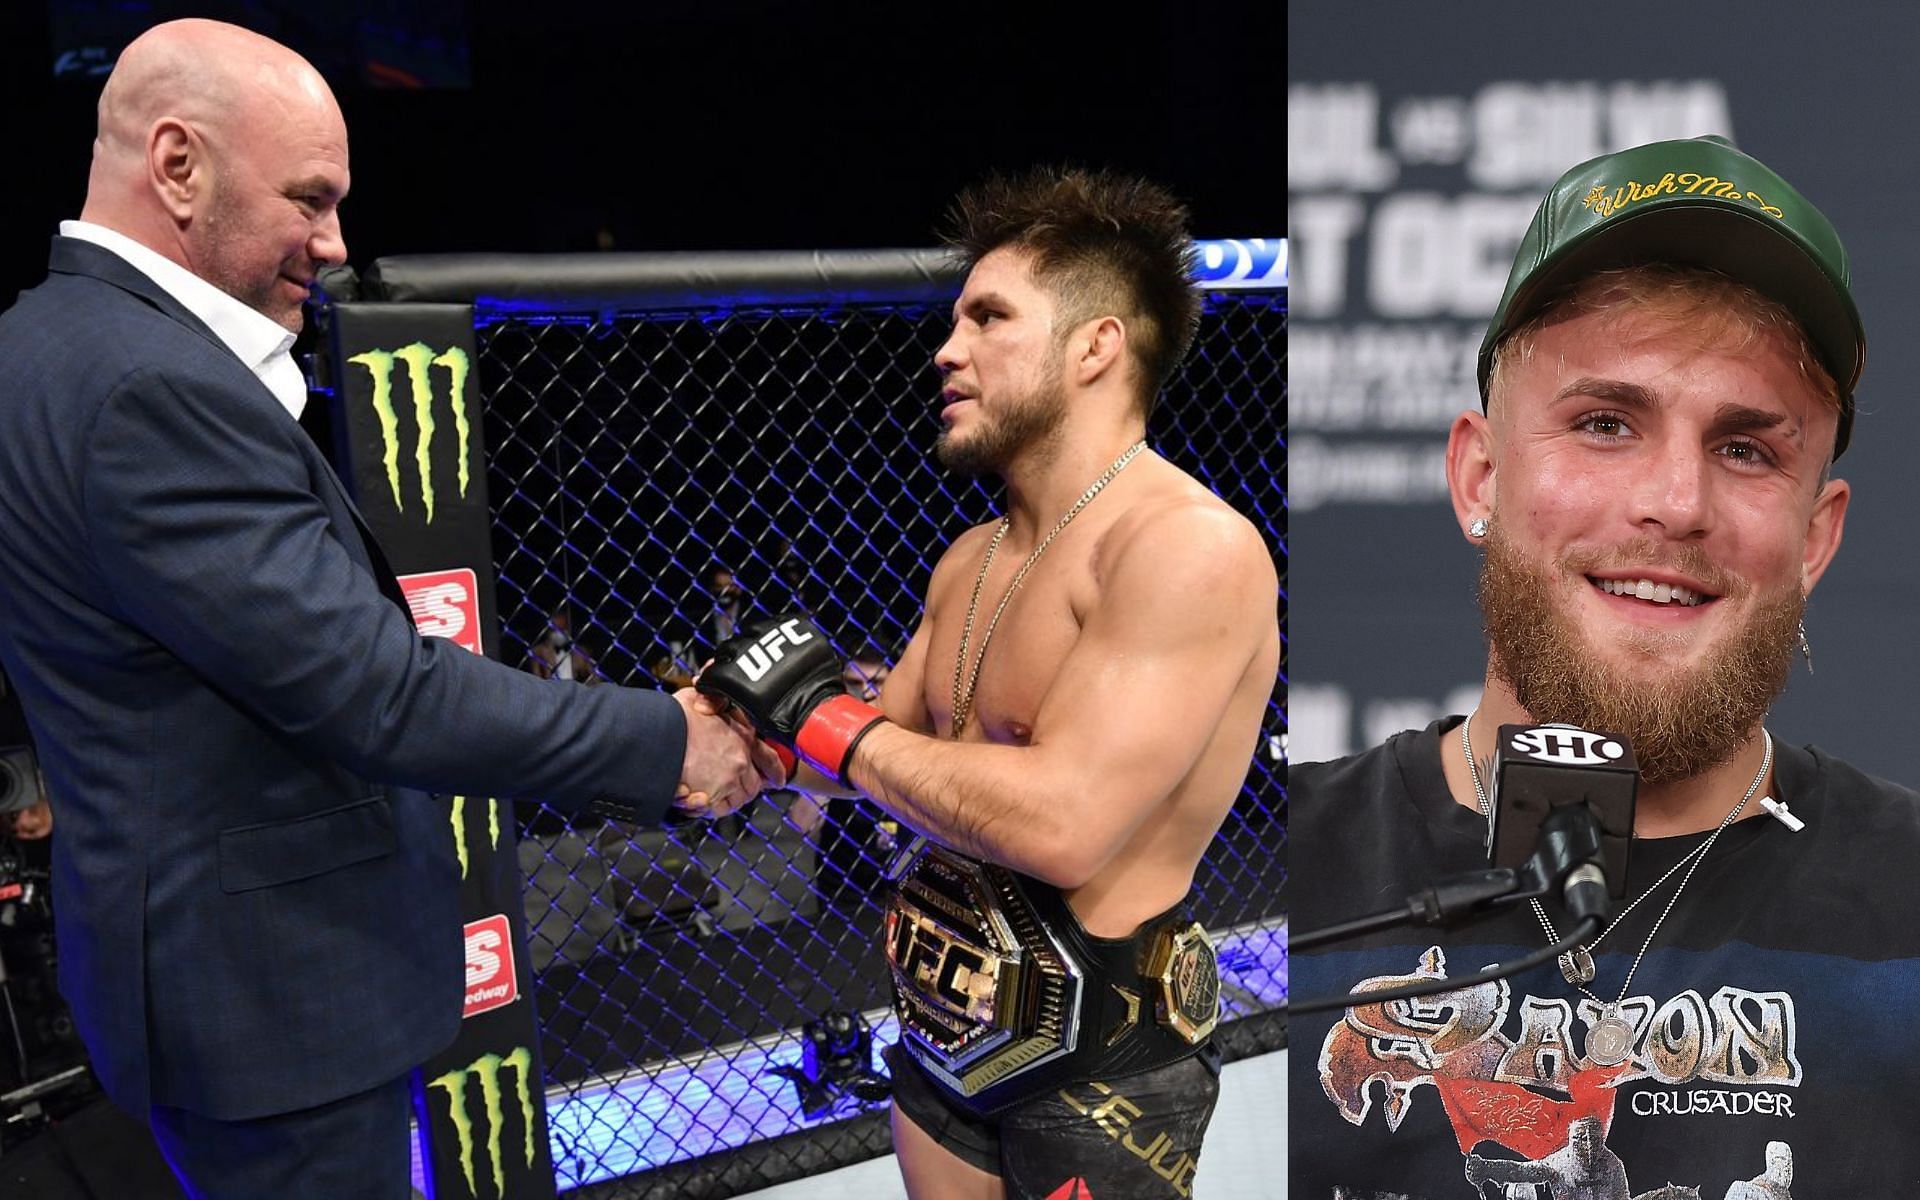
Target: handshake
x,y
771,697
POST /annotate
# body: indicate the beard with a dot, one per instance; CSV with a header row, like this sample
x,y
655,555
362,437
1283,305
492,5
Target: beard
x,y
1680,721
1029,421
225,227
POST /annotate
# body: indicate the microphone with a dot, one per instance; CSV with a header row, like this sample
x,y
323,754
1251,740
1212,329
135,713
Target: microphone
x,y
1563,800
1568,849
1561,816
1586,891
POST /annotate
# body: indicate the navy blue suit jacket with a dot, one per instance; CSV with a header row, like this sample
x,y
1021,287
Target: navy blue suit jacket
x,y
255,898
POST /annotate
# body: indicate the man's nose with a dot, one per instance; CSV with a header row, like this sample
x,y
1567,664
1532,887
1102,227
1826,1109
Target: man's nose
x,y
1673,490
327,245
951,356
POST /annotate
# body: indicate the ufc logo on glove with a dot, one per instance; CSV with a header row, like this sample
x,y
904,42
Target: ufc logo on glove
x,y
782,672
771,648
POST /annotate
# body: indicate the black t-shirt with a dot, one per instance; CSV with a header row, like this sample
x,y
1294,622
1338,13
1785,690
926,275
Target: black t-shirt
x,y
1777,1008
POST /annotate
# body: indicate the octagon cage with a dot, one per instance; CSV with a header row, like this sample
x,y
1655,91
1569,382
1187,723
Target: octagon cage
x,y
674,442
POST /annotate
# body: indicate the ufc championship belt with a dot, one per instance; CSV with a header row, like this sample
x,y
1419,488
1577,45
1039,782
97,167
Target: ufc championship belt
x,y
1002,995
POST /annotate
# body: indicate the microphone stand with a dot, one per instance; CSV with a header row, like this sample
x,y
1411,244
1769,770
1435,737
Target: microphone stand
x,y
1568,851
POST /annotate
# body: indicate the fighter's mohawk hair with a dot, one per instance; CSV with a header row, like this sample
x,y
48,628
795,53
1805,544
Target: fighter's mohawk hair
x,y
1106,243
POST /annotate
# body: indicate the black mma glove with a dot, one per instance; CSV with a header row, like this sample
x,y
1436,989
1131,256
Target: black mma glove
x,y
781,671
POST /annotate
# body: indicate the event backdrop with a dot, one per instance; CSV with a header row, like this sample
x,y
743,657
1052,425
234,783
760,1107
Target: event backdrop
x,y
1419,139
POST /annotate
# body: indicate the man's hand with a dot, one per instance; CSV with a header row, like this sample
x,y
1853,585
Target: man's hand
x,y
31,824
725,764
782,673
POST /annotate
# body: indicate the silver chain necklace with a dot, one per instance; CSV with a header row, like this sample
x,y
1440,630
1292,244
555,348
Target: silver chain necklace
x,y
1610,1040
963,691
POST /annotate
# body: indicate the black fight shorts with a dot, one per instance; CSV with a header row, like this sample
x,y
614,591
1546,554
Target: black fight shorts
x,y
1134,1137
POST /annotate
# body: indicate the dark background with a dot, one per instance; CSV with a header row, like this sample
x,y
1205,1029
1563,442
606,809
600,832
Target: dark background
x,y
718,124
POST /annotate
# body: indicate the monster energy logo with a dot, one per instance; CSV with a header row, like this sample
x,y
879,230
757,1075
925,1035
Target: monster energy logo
x,y
486,1069
419,358
460,828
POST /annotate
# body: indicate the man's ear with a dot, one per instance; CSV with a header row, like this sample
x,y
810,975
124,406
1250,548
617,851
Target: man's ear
x,y
1470,470
176,167
1096,348
1824,528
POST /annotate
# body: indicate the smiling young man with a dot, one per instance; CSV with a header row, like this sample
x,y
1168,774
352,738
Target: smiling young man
x,y
1666,384
1068,726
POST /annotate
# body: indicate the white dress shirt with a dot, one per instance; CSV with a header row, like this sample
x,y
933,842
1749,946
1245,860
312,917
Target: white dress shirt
x,y
258,340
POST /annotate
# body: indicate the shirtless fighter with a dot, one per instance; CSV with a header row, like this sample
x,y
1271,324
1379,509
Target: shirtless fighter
x,y
1068,726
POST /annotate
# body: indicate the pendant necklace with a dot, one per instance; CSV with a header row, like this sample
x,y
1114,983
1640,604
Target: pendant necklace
x,y
1610,1040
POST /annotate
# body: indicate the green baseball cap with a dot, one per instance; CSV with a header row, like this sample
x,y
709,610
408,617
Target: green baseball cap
x,y
1693,202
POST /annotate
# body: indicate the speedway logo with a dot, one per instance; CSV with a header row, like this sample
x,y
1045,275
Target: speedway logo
x,y
490,979
461,1101
421,361
446,604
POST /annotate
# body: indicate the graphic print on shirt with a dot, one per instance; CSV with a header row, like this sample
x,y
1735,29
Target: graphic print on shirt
x,y
1530,1113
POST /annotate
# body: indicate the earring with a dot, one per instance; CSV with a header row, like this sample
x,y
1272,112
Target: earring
x,y
1478,529
1806,651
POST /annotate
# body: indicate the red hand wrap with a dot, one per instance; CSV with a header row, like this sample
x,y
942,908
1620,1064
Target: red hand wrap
x,y
831,731
788,760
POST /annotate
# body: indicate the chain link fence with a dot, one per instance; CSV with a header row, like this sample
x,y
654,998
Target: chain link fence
x,y
711,996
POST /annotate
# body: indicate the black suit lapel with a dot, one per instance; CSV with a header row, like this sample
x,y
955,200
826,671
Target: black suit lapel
x,y
383,573
72,256
382,570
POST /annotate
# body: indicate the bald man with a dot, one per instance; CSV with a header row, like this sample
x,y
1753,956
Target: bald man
x,y
257,918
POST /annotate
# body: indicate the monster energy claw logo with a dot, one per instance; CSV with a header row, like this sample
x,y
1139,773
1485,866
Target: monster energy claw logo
x,y
486,1069
419,358
459,817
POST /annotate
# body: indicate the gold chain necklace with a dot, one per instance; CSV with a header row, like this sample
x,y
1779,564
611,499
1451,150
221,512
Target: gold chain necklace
x,y
963,679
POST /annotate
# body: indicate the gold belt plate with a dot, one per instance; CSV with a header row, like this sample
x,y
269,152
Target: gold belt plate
x,y
957,972
982,990
1186,975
